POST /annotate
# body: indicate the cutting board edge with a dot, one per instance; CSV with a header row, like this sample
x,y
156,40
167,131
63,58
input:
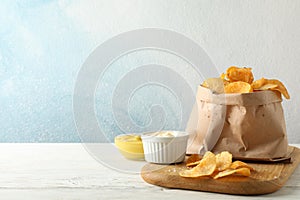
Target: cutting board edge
x,y
273,185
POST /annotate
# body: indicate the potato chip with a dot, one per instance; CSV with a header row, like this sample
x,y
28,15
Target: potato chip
x,y
237,80
205,168
268,86
239,74
238,87
263,84
192,163
239,164
280,87
241,171
214,84
224,160
215,166
258,83
193,158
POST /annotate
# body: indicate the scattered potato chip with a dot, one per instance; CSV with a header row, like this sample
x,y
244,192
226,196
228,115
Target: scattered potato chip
x,y
206,167
193,158
192,163
238,87
240,171
215,166
239,164
224,160
239,74
214,84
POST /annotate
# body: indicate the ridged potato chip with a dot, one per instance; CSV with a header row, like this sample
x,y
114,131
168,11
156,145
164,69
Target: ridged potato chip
x,y
258,83
238,87
268,86
280,87
215,166
192,163
239,164
234,73
272,84
206,167
224,160
241,171
193,160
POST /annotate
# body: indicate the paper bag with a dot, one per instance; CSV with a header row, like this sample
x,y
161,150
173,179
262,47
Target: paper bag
x,y
249,125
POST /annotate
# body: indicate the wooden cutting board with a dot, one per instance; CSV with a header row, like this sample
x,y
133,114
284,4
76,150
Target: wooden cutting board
x,y
266,178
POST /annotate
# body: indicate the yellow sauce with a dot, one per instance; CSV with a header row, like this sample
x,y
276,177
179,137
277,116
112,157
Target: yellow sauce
x,y
130,146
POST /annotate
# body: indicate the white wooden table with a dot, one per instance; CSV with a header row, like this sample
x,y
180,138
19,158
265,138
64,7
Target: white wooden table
x,y
68,171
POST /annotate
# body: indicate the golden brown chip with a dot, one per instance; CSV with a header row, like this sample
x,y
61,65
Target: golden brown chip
x,y
280,87
224,160
238,87
215,166
263,83
241,171
237,80
258,83
205,168
239,164
268,86
239,74
193,158
214,84
192,163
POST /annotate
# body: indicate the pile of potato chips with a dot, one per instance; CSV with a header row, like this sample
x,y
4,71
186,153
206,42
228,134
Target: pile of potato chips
x,y
216,166
241,80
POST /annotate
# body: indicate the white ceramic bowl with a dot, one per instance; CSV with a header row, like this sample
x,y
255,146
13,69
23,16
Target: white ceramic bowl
x,y
165,148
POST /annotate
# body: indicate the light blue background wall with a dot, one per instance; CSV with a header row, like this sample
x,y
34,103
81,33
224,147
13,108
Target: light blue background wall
x,y
44,43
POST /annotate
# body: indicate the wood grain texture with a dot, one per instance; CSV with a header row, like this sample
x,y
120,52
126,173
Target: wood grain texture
x,y
266,178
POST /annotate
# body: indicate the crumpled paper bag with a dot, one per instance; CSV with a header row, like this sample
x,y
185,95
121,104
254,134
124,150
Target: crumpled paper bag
x,y
250,125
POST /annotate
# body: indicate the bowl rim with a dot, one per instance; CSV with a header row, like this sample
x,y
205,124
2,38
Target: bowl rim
x,y
117,139
148,135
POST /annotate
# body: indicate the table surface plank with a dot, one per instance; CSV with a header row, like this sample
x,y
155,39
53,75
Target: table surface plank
x,y
68,171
